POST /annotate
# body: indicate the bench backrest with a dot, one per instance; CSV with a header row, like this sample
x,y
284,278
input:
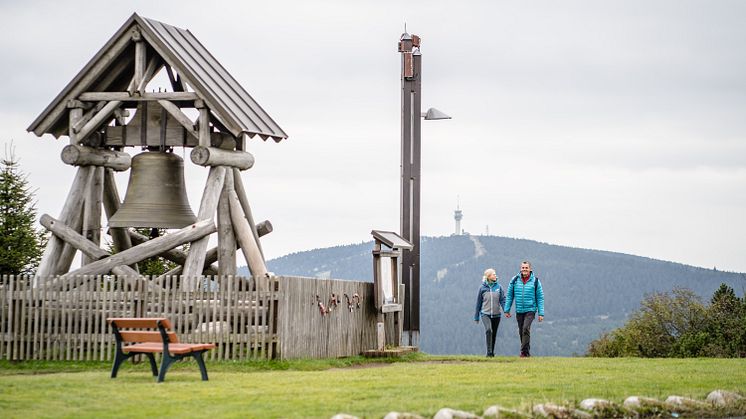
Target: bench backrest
x,y
140,336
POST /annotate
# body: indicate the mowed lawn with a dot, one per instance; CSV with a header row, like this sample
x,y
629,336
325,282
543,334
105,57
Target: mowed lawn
x,y
423,384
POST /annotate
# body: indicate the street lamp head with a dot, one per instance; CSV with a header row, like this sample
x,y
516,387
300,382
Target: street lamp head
x,y
434,114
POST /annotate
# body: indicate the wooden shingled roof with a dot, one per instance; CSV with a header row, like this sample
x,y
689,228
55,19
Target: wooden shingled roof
x,y
112,69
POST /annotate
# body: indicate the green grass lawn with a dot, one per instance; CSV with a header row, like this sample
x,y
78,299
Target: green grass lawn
x,y
421,384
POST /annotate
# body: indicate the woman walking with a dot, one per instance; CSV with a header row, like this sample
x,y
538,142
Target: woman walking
x,y
490,300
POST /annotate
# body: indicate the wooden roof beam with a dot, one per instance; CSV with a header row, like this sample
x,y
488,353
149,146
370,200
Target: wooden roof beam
x,y
179,116
98,119
125,96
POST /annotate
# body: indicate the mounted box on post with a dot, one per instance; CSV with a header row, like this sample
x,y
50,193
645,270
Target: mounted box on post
x,y
388,247
388,290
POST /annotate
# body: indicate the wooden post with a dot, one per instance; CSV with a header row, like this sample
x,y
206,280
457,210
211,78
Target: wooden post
x,y
248,243
204,123
67,255
241,192
146,250
92,209
226,238
140,59
75,115
71,237
111,205
208,205
70,210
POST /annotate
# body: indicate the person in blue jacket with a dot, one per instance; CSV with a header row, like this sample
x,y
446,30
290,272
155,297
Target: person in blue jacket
x,y
490,300
526,290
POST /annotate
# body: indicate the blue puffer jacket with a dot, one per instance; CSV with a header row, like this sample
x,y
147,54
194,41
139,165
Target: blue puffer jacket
x,y
528,297
490,300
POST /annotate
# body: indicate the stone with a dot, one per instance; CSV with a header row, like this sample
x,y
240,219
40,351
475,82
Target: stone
x,y
679,402
344,416
448,413
549,410
723,398
642,403
398,415
502,412
595,404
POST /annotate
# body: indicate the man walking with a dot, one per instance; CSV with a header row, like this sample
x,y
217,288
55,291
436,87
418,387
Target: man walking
x,y
526,290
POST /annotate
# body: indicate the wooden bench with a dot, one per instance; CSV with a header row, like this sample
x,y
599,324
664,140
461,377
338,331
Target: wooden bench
x,y
135,340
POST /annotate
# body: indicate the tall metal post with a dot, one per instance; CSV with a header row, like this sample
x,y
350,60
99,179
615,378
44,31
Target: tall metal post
x,y
409,47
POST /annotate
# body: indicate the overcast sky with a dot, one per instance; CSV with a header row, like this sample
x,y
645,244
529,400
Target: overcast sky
x,y
613,125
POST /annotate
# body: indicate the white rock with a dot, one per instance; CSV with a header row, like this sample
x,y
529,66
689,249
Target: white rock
x,y
499,411
447,413
722,397
550,410
593,404
635,402
686,403
344,416
398,415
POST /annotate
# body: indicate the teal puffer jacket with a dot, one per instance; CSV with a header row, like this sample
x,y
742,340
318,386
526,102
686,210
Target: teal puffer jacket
x,y
529,297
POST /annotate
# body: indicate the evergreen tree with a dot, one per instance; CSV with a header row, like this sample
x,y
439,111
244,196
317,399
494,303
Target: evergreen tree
x,y
21,245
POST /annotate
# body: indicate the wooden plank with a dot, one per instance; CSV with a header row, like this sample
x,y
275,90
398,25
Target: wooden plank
x,y
70,210
213,187
146,250
145,96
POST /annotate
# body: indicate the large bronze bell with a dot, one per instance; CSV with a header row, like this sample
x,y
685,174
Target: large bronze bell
x,y
155,197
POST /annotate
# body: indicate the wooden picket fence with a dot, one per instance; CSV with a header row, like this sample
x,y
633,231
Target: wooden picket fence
x,y
69,322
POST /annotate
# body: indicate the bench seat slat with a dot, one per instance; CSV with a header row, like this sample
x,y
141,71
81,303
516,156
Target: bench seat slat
x,y
139,323
146,336
174,348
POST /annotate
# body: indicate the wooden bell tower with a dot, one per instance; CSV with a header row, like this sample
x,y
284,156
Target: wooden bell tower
x,y
93,110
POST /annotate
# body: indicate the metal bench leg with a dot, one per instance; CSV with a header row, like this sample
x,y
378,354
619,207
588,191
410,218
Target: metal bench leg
x,y
198,357
119,358
165,364
153,366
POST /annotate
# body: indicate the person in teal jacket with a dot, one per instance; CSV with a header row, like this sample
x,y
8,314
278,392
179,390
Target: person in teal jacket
x,y
526,290
490,300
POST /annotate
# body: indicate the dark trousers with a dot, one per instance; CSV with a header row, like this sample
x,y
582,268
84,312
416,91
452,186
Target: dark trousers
x,y
524,331
490,331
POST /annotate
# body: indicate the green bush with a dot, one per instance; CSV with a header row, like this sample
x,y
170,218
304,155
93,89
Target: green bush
x,y
677,324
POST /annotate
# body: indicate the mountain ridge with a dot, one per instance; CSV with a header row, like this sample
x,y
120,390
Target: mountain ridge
x,y
587,291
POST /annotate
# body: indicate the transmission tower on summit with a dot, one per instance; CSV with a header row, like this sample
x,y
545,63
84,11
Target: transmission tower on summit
x,y
458,215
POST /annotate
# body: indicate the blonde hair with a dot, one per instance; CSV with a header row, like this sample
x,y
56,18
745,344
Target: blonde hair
x,y
487,273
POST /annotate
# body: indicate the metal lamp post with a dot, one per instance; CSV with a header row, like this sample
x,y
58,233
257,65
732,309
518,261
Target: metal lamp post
x,y
409,47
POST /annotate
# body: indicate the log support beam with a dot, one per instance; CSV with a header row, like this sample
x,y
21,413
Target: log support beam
x,y
78,155
212,156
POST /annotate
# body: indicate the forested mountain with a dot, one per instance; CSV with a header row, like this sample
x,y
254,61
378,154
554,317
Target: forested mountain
x,y
587,291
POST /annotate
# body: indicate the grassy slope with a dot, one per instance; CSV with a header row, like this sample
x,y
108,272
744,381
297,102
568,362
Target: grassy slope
x,y
322,388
